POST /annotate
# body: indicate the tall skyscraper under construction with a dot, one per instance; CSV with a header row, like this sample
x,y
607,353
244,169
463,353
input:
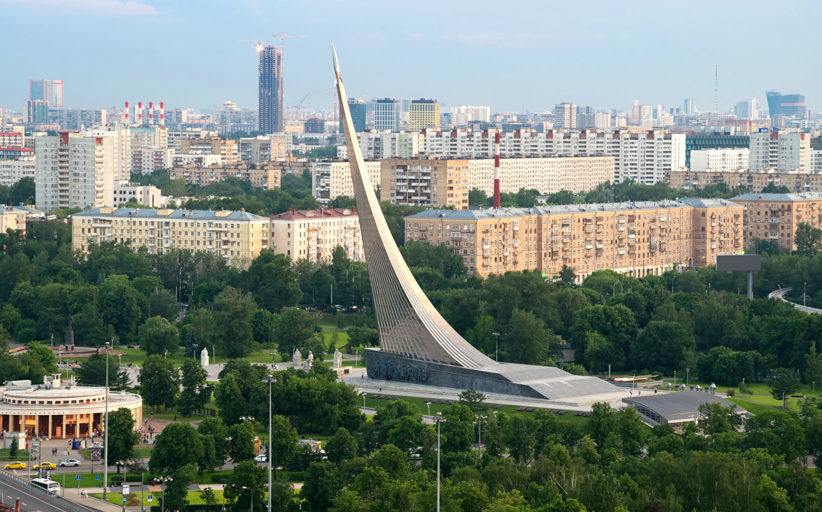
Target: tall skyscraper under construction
x,y
271,89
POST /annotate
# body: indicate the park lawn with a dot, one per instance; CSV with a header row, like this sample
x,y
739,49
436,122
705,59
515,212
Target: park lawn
x,y
769,401
342,337
194,498
22,455
419,404
751,407
173,416
86,479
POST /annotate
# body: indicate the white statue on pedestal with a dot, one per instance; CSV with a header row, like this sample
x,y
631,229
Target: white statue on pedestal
x,y
337,359
308,361
204,357
298,358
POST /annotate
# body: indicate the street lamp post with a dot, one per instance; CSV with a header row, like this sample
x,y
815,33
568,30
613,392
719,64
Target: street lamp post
x,y
428,404
105,431
687,377
142,491
480,417
165,480
496,350
439,419
674,379
803,294
270,453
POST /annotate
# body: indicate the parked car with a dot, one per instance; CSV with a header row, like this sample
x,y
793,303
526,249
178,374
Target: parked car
x,y
69,463
46,465
261,458
15,465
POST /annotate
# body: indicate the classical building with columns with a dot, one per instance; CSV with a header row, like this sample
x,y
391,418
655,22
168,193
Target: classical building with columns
x,y
61,410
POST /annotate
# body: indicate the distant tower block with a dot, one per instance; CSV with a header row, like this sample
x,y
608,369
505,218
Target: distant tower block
x,y
496,171
204,357
126,112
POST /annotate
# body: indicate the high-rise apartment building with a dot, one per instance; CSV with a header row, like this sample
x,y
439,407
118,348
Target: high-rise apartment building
x,y
775,217
271,90
78,118
465,114
387,115
423,114
237,236
747,109
357,109
264,148
76,170
425,182
37,112
332,179
722,160
565,116
713,141
638,239
688,106
782,151
263,174
13,170
50,91
751,181
314,234
226,148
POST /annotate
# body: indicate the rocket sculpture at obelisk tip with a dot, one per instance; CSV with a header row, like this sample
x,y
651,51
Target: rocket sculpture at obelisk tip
x,y
416,343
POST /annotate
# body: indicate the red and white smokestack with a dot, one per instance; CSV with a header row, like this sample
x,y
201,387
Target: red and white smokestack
x,y
139,112
126,112
496,170
150,112
162,113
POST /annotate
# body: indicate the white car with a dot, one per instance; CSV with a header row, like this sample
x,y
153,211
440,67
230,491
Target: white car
x,y
69,463
261,458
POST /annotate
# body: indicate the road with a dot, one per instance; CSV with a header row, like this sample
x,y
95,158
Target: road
x,y
32,500
779,294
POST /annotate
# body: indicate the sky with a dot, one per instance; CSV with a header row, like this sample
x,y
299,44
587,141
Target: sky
x,y
514,56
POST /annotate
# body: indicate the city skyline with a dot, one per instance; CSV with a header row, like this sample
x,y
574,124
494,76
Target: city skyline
x,y
661,57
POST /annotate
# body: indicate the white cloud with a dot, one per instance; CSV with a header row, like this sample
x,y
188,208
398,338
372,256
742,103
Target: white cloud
x,y
104,7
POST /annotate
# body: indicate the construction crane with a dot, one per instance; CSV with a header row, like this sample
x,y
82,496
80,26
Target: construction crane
x,y
283,37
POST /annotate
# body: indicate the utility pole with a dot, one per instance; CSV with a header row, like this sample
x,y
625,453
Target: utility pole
x,y
439,419
496,351
269,452
105,432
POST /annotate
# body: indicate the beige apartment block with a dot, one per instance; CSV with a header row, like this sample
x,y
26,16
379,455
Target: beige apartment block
x,y
752,181
12,218
775,217
638,239
425,182
332,179
547,175
237,236
226,148
314,234
261,175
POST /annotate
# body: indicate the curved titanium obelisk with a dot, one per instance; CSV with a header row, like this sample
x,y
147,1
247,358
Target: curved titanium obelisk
x,y
416,343
408,323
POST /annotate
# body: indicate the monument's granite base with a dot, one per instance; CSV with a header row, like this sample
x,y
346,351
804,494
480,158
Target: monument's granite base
x,y
503,378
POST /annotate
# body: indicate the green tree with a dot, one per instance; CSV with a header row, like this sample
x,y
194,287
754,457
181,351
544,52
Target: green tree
x,y
214,435
162,302
273,281
661,346
198,327
41,353
284,441
121,436
567,275
783,383
341,446
14,448
264,326
296,327
813,365
121,306
245,487
233,312
195,393
474,400
241,446
321,486
159,381
4,339
158,336
92,372
807,239
176,491
177,445
526,339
